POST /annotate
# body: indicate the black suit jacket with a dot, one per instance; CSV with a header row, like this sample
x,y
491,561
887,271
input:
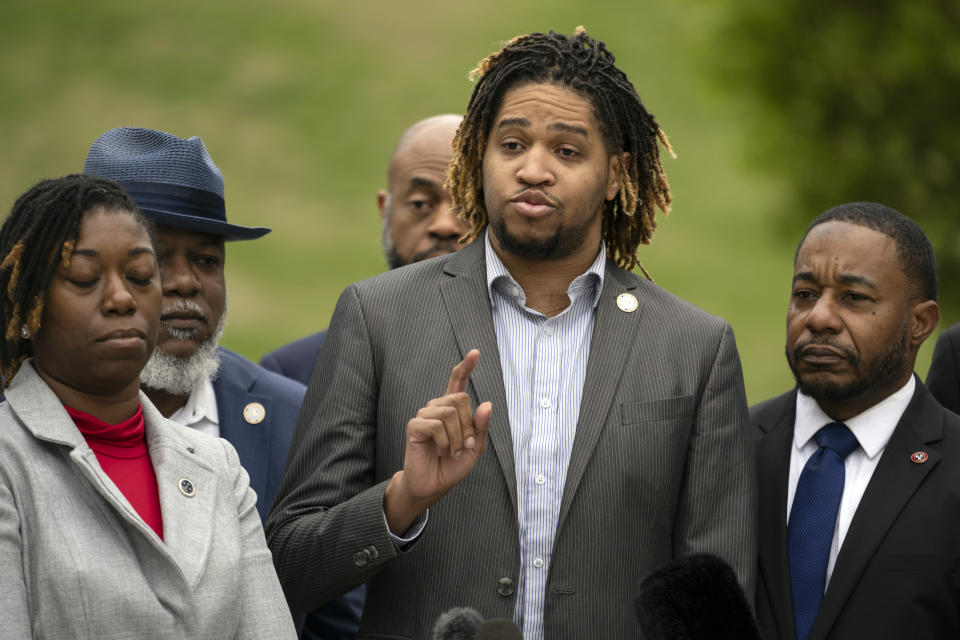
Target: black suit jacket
x,y
898,572
943,379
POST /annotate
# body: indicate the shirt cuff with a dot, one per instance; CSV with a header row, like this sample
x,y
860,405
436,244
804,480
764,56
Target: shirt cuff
x,y
412,532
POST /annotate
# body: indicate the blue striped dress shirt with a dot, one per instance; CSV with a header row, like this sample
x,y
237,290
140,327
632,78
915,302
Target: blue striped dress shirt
x,y
544,362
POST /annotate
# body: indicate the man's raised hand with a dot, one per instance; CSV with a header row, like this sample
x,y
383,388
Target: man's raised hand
x,y
443,443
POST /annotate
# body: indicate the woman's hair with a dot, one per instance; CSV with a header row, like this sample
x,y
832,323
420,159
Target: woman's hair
x,y
587,68
37,238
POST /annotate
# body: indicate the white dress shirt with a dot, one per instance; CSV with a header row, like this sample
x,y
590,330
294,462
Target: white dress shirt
x,y
872,429
200,411
544,364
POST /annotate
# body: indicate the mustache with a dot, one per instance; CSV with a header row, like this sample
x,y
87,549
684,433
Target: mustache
x,y
184,305
847,353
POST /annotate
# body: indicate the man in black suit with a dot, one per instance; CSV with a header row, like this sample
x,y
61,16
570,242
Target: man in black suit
x,y
417,218
943,379
858,466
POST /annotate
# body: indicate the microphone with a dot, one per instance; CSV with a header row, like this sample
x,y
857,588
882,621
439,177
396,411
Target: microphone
x,y
696,597
459,623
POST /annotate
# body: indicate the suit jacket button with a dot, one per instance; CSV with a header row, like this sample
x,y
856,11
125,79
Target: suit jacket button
x,y
361,558
505,587
374,554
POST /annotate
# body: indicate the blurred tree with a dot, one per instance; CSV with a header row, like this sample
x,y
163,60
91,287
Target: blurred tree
x,y
856,100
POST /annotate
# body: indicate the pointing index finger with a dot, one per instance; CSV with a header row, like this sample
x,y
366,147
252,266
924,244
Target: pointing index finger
x,y
461,372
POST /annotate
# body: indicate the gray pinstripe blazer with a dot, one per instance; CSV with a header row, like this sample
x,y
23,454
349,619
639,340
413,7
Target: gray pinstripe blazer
x,y
661,463
76,561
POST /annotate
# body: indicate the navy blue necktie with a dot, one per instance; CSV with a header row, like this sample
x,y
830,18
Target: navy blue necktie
x,y
812,521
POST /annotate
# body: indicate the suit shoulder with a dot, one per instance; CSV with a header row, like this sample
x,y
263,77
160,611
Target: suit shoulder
x,y
771,408
948,343
953,332
297,348
236,368
296,359
403,281
671,307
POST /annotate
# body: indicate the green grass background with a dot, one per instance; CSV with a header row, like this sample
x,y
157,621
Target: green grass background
x,y
300,103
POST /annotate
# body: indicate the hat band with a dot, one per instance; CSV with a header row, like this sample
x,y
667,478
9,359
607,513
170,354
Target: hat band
x,y
175,198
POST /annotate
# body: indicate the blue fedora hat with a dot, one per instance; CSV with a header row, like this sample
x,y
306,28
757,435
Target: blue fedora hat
x,y
173,181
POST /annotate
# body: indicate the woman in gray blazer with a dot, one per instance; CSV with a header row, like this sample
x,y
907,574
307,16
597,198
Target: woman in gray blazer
x,y
114,522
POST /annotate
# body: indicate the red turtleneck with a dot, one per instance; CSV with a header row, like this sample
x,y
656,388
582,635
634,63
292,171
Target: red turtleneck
x,y
121,450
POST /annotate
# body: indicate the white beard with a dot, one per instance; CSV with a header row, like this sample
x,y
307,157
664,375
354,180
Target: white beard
x,y
180,376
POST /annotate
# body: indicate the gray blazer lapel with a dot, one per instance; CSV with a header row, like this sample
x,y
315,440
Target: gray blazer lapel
x,y
467,301
894,482
773,465
187,520
41,411
614,333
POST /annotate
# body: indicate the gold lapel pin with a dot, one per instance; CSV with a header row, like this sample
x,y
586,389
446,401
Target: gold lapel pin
x,y
627,302
919,457
254,413
187,487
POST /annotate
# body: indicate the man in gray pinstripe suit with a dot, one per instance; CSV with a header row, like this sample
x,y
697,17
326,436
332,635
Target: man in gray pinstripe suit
x,y
614,413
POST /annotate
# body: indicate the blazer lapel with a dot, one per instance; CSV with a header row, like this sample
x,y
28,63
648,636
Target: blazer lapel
x,y
614,333
773,465
188,495
187,522
467,300
43,414
894,481
252,441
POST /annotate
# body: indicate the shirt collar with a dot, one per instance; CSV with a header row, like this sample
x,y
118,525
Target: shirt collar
x,y
497,273
872,428
202,404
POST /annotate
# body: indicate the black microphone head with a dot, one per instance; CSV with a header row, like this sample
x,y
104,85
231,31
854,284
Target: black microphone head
x,y
499,629
695,598
459,623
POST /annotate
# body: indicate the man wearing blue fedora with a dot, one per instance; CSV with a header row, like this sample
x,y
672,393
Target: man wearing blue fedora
x,y
190,378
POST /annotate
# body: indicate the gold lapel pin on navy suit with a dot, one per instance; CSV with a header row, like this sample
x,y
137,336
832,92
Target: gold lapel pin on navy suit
x,y
254,413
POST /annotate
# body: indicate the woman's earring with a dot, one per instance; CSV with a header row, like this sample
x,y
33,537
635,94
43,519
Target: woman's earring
x,y
24,332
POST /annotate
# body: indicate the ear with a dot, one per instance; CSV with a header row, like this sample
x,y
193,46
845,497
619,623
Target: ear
x,y
924,317
381,202
613,181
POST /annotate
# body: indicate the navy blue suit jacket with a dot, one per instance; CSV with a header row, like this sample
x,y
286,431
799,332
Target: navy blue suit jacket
x,y
262,447
338,619
297,359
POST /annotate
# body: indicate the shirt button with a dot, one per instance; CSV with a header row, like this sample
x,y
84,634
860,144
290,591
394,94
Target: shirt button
x,y
548,330
541,478
538,562
545,403
517,291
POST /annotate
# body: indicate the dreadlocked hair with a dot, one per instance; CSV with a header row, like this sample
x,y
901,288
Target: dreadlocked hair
x,y
586,67
37,237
